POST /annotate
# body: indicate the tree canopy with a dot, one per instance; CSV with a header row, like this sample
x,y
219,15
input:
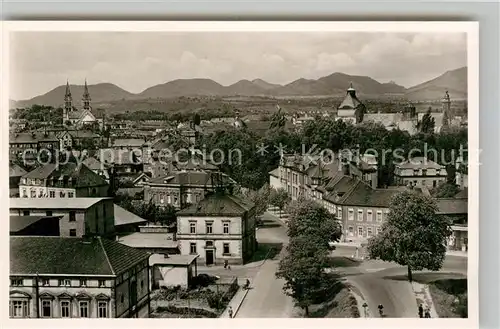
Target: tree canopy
x,y
413,234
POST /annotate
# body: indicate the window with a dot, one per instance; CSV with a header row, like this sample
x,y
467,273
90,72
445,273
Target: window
x,y
48,213
65,309
377,230
71,195
102,283
52,194
350,230
339,212
84,309
33,193
360,215
45,282
369,215
225,249
360,231
209,228
26,213
62,194
102,309
369,231
192,248
19,309
192,227
72,232
225,228
424,172
16,282
350,216
65,282
72,216
379,216
83,282
46,308
122,298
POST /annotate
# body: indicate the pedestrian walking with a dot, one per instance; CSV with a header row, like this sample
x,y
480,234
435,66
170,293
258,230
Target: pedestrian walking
x,y
225,264
420,311
427,313
230,312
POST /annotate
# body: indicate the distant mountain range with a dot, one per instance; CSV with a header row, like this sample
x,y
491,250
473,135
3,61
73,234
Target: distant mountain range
x,y
335,84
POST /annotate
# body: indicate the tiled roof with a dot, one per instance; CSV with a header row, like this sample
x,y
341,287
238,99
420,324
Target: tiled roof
x,y
24,138
53,203
83,134
350,102
148,240
364,195
94,164
119,157
17,223
193,178
82,176
71,256
16,170
419,163
217,205
386,119
125,217
452,206
128,142
275,172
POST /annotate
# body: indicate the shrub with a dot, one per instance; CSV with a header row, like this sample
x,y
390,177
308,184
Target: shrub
x,y
217,300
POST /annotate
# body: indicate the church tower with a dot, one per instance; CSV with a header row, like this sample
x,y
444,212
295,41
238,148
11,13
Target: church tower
x,y
68,103
86,98
447,105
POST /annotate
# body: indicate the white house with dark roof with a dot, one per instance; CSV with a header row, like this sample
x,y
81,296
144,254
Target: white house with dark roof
x,y
419,171
55,277
80,216
181,188
350,106
219,228
62,180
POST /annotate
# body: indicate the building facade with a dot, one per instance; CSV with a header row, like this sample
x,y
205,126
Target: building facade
x,y
219,228
182,188
80,216
420,172
64,180
54,277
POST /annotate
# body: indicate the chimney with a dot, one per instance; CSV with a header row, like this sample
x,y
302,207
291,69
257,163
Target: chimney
x,y
345,169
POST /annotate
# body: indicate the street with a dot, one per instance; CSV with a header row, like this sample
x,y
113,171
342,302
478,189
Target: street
x,y
376,281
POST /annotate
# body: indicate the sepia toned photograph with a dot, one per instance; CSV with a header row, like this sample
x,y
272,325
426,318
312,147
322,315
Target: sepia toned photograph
x,y
205,171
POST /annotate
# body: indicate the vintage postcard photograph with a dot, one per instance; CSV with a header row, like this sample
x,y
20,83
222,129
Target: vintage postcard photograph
x,y
242,170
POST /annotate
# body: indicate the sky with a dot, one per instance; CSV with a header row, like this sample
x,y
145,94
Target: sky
x,y
41,61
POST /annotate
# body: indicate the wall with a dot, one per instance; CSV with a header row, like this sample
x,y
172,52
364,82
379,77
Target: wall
x,y
169,275
53,293
140,274
234,237
274,182
360,220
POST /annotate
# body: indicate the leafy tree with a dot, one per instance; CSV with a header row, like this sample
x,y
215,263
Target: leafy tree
x,y
278,119
260,198
445,190
307,218
303,269
413,234
428,123
197,119
279,198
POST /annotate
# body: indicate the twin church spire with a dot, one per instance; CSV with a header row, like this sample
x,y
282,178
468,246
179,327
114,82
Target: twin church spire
x,y
68,100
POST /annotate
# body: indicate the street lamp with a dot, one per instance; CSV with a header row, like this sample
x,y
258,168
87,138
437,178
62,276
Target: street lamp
x,y
365,305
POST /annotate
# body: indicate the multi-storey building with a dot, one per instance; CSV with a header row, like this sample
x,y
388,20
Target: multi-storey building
x,y
55,277
219,228
62,180
420,172
80,216
182,188
21,144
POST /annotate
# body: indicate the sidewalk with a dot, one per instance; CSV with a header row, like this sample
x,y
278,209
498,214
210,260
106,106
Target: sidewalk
x,y
235,303
422,293
457,253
